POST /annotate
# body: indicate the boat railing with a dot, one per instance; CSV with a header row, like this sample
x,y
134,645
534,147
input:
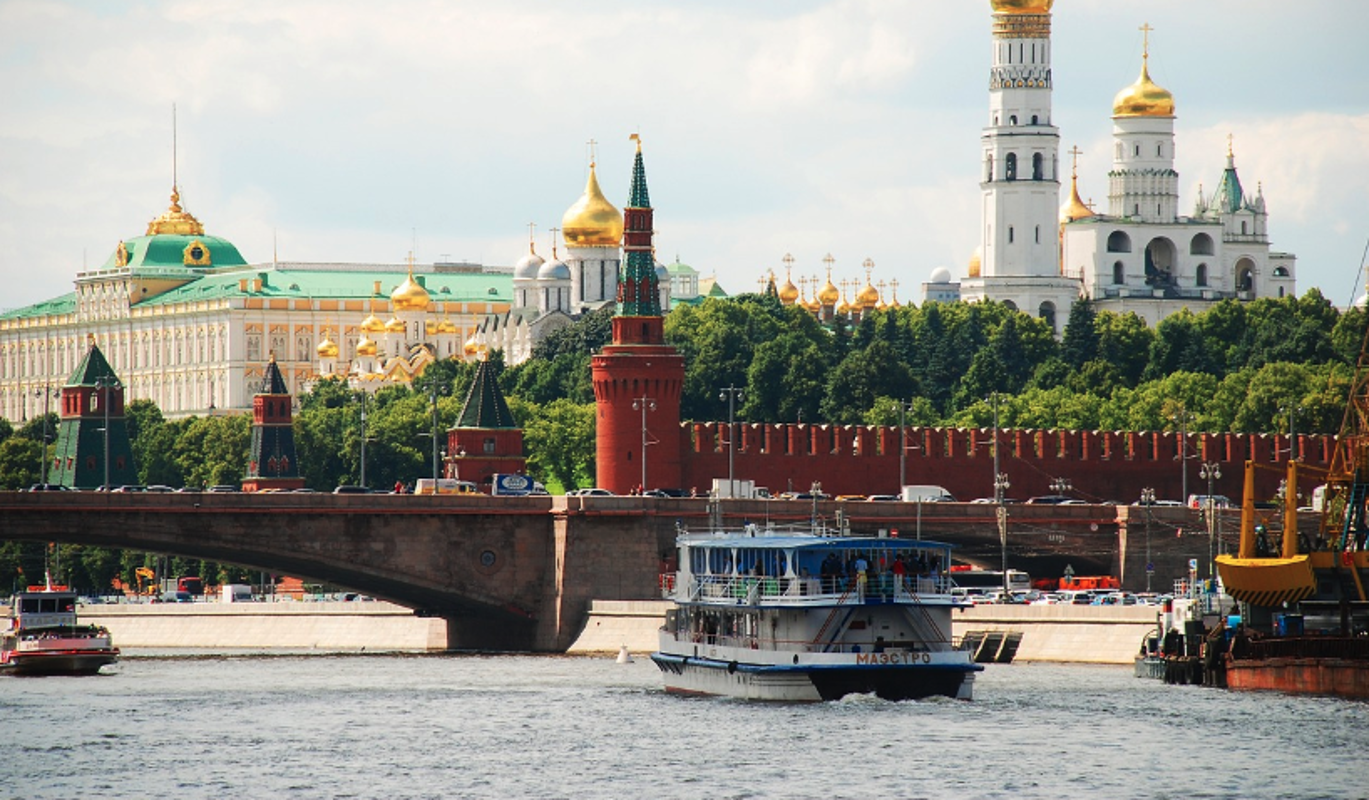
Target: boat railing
x,y
751,589
870,645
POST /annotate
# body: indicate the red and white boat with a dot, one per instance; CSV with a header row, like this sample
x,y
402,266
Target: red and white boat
x,y
43,636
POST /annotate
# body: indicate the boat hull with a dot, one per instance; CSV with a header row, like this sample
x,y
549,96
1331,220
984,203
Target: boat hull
x,y
1335,677
80,662
814,682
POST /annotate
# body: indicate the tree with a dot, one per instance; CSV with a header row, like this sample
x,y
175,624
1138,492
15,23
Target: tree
x,y
1080,342
19,462
560,441
786,380
1125,342
860,378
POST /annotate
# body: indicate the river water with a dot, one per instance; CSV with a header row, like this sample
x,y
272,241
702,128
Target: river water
x,y
437,726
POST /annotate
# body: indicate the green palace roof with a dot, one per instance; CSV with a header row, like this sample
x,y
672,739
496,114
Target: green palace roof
x,y
339,283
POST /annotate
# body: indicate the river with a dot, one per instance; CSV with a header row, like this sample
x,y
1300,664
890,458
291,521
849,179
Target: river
x,y
439,726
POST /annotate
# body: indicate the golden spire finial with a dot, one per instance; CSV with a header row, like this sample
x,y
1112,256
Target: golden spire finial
x,y
532,226
554,231
1230,152
1145,41
1075,152
592,143
638,139
788,261
893,290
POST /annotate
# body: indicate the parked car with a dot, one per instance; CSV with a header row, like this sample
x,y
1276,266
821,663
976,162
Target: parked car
x,y
349,489
882,498
159,488
595,492
222,488
129,488
1048,500
48,487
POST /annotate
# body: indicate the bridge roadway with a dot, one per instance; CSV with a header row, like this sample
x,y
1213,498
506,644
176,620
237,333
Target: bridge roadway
x,y
518,573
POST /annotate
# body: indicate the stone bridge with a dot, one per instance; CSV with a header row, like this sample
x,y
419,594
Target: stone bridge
x,y
518,573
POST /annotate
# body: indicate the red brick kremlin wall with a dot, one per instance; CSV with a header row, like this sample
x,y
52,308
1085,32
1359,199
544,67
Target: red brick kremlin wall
x,y
1101,466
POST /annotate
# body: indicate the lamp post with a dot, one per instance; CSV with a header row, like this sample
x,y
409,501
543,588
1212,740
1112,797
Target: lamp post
x,y
363,438
1061,485
48,393
1000,480
1182,417
104,383
731,394
1148,500
1000,486
1211,471
645,404
433,390
1292,435
903,447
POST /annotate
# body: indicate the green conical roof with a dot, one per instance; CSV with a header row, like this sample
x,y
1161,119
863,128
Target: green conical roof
x,y
92,368
485,406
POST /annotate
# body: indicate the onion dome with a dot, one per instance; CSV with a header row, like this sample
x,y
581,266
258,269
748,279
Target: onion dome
x,y
868,296
789,293
1075,208
430,327
410,295
471,347
592,221
175,220
372,324
327,348
976,263
843,307
829,294
662,274
527,266
1143,98
446,326
395,325
1021,6
366,347
554,270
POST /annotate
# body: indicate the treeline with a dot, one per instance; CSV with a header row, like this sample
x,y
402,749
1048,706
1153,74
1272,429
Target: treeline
x,y
1240,367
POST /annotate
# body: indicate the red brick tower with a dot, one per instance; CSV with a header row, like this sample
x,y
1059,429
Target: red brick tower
x,y
638,379
273,463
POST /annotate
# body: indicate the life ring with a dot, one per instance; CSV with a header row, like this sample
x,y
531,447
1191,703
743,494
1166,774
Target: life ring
x,y
1347,558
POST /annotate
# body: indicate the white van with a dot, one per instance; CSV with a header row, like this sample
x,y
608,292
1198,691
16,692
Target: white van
x,y
444,486
236,593
926,494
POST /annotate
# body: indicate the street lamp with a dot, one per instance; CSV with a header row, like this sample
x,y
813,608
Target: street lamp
x,y
105,383
1000,480
1292,435
1000,487
48,393
1148,500
363,398
903,448
645,404
1061,485
1182,417
731,394
433,390
1211,471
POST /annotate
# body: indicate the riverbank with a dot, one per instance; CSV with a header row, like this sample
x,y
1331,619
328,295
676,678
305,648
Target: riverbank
x,y
1064,634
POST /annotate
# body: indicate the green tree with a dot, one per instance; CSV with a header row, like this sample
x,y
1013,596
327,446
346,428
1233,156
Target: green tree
x,y
862,377
560,441
19,462
1125,342
1080,342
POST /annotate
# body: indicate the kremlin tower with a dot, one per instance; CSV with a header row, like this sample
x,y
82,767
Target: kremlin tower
x,y
273,463
638,378
1019,254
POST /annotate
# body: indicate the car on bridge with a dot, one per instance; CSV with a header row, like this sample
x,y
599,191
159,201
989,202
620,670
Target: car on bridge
x,y
49,487
347,489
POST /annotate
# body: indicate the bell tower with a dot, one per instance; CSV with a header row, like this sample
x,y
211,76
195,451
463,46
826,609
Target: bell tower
x,y
638,379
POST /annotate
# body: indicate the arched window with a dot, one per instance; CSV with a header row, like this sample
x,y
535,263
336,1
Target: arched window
x,y
1036,166
1010,234
1245,275
1201,245
1010,305
1138,151
1012,119
1280,291
1119,242
1012,167
988,167
1159,149
1281,272
1047,313
1118,273
1200,276
1242,227
1034,117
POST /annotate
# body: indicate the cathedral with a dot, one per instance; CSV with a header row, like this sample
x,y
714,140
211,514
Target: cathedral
x,y
1142,255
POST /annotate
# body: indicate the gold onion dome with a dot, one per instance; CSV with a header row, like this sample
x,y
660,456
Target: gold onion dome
x,y
366,347
1143,98
410,295
592,221
789,293
868,297
327,348
372,324
446,326
844,307
1021,6
1075,208
829,294
175,220
976,264
395,325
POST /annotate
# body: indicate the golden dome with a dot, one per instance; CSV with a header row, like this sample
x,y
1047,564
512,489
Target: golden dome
x,y
844,307
175,220
446,326
1075,208
395,325
366,347
592,221
976,264
1021,6
1143,98
372,324
410,296
430,327
868,297
789,293
829,294
327,348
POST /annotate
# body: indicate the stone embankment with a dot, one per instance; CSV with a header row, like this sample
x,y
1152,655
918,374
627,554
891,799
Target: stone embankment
x,y
1071,634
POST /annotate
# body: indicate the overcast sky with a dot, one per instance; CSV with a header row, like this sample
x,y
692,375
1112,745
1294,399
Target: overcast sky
x,y
353,131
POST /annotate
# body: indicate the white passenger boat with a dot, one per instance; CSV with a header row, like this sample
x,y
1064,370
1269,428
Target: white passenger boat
x,y
812,616
43,637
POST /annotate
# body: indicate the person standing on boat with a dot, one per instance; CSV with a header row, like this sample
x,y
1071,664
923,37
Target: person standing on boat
x,y
862,566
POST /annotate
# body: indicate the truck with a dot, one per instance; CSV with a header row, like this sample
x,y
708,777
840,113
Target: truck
x,y
738,489
444,486
236,593
514,485
190,584
926,493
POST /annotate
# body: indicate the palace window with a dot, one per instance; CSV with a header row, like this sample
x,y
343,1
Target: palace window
x,y
1012,168
1037,163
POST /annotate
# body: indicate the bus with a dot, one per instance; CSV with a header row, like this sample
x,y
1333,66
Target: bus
x,y
983,581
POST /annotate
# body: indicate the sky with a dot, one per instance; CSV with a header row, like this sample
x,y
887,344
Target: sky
x,y
356,131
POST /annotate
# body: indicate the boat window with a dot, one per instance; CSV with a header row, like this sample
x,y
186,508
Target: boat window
x,y
29,605
49,605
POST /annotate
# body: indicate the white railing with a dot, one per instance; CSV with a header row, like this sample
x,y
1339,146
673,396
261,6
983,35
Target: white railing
x,y
750,589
